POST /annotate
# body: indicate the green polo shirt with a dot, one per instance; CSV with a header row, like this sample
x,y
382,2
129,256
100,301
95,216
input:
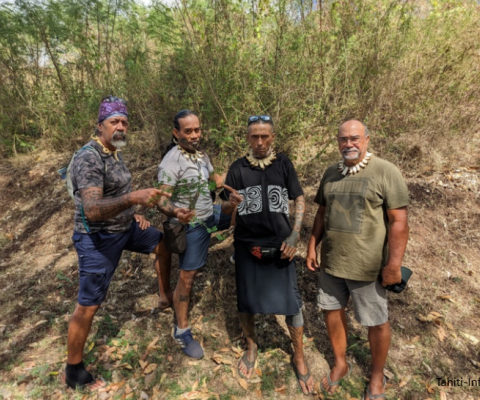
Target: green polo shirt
x,y
355,242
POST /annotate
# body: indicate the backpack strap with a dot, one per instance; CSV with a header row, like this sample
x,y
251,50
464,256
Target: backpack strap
x,y
84,220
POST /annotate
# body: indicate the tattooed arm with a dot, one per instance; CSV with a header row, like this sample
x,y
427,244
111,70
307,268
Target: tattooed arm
x,y
289,246
166,206
98,208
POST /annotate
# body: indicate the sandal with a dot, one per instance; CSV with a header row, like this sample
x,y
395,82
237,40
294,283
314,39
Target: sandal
x,y
337,382
302,377
249,364
375,396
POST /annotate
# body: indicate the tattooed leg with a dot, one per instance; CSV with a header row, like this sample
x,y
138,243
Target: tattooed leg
x,y
181,297
296,334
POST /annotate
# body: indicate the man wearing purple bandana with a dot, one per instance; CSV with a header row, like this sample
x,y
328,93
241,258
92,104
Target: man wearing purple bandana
x,y
104,225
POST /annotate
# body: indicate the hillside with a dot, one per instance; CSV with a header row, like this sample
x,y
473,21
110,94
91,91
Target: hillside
x,y
435,322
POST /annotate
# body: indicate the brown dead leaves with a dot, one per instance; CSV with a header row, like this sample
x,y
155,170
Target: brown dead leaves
x,y
202,393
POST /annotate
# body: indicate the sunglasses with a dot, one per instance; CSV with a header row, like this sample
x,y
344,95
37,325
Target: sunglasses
x,y
113,99
256,118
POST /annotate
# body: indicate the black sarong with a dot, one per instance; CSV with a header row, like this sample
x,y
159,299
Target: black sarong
x,y
265,287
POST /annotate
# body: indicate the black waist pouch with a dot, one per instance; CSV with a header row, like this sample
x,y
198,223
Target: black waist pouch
x,y
264,253
175,236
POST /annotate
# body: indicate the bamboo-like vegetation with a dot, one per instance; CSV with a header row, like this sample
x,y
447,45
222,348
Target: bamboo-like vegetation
x,y
409,69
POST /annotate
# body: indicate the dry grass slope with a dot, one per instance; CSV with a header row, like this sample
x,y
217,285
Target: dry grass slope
x,y
435,322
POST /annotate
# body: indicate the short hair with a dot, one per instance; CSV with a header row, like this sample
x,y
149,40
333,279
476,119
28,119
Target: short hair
x,y
367,132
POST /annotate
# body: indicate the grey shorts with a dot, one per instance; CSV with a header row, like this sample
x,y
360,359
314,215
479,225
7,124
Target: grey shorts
x,y
369,298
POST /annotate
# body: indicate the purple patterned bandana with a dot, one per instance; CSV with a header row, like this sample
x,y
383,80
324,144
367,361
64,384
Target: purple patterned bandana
x,y
112,107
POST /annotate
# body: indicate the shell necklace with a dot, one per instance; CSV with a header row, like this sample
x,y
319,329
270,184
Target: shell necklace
x,y
344,170
261,162
105,149
191,156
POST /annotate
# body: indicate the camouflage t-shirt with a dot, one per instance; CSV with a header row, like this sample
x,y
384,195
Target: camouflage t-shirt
x,y
89,170
355,242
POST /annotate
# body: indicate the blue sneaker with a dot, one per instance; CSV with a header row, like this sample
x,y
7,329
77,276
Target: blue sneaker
x,y
189,345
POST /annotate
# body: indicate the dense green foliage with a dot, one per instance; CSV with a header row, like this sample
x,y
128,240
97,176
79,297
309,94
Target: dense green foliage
x,y
409,69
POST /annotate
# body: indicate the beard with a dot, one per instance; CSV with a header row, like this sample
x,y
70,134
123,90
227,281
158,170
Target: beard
x,y
119,140
189,146
350,154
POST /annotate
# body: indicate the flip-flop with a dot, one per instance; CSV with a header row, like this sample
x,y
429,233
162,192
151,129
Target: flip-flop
x,y
302,377
336,383
248,364
375,396
87,386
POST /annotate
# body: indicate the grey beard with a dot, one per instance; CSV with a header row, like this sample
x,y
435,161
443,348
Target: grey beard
x,y
118,144
351,155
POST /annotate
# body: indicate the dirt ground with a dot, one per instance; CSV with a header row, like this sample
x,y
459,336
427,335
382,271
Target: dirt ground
x,y
435,322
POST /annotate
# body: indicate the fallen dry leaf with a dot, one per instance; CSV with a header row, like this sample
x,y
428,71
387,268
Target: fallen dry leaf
x,y
217,358
281,389
388,374
43,321
258,392
195,386
227,362
193,363
473,339
441,334
243,383
404,381
142,363
259,372
443,396
162,378
430,388
444,297
449,326
150,368
224,349
217,368
195,394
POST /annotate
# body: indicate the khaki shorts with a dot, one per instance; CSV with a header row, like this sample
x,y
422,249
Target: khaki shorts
x,y
369,298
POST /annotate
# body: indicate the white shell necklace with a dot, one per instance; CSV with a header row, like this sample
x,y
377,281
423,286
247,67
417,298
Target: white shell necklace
x,y
261,162
344,170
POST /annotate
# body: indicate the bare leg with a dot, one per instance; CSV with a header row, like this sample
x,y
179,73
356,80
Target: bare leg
x,y
78,330
163,266
379,338
337,333
181,297
296,334
247,321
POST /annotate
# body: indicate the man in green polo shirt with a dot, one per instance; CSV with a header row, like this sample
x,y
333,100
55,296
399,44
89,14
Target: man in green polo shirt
x,y
362,224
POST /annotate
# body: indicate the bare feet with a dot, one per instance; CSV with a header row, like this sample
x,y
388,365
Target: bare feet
x,y
331,381
305,380
165,301
246,366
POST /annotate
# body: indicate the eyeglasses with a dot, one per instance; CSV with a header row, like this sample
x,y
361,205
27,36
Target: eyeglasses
x,y
345,140
256,118
113,99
